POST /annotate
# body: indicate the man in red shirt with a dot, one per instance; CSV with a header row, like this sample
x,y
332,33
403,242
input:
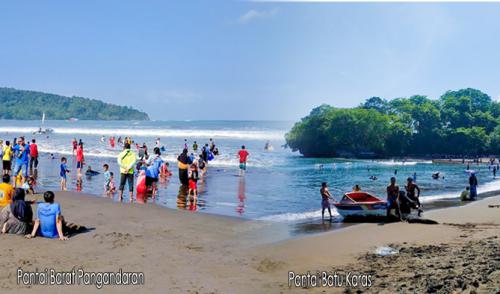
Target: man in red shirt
x,y
33,155
79,158
243,154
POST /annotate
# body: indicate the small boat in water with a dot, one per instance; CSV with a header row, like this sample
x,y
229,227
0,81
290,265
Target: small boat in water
x,y
361,204
41,130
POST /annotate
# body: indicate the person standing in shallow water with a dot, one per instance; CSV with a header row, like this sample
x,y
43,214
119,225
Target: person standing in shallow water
x,y
393,198
183,162
33,155
243,154
127,160
79,158
74,144
473,186
325,200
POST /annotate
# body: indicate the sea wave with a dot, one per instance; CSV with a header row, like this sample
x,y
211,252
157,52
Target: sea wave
x,y
399,162
487,187
220,161
151,132
292,217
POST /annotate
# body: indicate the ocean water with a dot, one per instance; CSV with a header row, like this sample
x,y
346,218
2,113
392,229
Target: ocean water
x,y
280,185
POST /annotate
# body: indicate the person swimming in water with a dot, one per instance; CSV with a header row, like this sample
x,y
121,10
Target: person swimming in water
x,y
90,172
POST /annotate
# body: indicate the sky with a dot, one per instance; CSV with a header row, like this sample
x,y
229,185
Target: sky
x,y
243,60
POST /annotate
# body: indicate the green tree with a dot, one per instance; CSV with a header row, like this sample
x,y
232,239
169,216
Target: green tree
x,y
460,122
20,104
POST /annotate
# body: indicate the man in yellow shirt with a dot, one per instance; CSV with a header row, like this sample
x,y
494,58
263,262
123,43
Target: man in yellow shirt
x,y
7,158
127,160
6,191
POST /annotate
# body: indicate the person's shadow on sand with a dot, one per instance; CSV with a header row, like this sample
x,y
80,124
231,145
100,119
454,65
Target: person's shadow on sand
x,y
71,230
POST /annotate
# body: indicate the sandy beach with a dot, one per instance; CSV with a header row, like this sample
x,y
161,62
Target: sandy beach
x,y
183,252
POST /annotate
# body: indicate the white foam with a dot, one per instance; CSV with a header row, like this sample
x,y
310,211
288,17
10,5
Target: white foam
x,y
402,163
149,132
487,187
220,161
291,217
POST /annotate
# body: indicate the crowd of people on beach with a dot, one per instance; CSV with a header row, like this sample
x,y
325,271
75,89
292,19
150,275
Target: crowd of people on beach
x,y
150,168
139,169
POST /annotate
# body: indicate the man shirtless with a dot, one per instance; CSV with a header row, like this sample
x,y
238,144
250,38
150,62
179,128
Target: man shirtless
x,y
411,188
393,198
325,200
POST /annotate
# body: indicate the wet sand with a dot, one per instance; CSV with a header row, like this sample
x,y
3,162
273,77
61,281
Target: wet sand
x,y
184,252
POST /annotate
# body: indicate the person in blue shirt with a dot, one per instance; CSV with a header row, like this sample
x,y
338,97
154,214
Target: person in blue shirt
x,y
153,170
49,219
21,151
63,170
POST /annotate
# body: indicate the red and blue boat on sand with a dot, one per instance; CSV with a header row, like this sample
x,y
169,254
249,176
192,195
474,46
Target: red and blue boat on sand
x,y
361,204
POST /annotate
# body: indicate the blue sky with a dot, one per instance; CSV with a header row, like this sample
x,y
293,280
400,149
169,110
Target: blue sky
x,y
247,60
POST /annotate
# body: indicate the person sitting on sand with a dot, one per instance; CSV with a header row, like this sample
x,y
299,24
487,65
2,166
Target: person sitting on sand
x,y
465,195
17,217
49,219
6,191
393,198
325,200
356,188
29,186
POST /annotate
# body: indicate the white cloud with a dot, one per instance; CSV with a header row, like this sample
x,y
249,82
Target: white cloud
x,y
255,14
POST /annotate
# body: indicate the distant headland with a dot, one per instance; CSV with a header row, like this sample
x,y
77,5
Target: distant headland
x,y
30,105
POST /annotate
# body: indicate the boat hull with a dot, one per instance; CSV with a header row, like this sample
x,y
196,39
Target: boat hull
x,y
362,210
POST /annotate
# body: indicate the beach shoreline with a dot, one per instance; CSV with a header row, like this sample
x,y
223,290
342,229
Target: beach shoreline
x,y
220,254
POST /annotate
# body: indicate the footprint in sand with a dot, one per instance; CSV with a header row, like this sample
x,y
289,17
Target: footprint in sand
x,y
194,247
267,265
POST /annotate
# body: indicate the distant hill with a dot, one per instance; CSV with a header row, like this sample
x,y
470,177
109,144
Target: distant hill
x,y
22,104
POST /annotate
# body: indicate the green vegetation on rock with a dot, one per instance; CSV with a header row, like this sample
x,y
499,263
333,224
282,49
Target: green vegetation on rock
x,y
463,122
29,105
